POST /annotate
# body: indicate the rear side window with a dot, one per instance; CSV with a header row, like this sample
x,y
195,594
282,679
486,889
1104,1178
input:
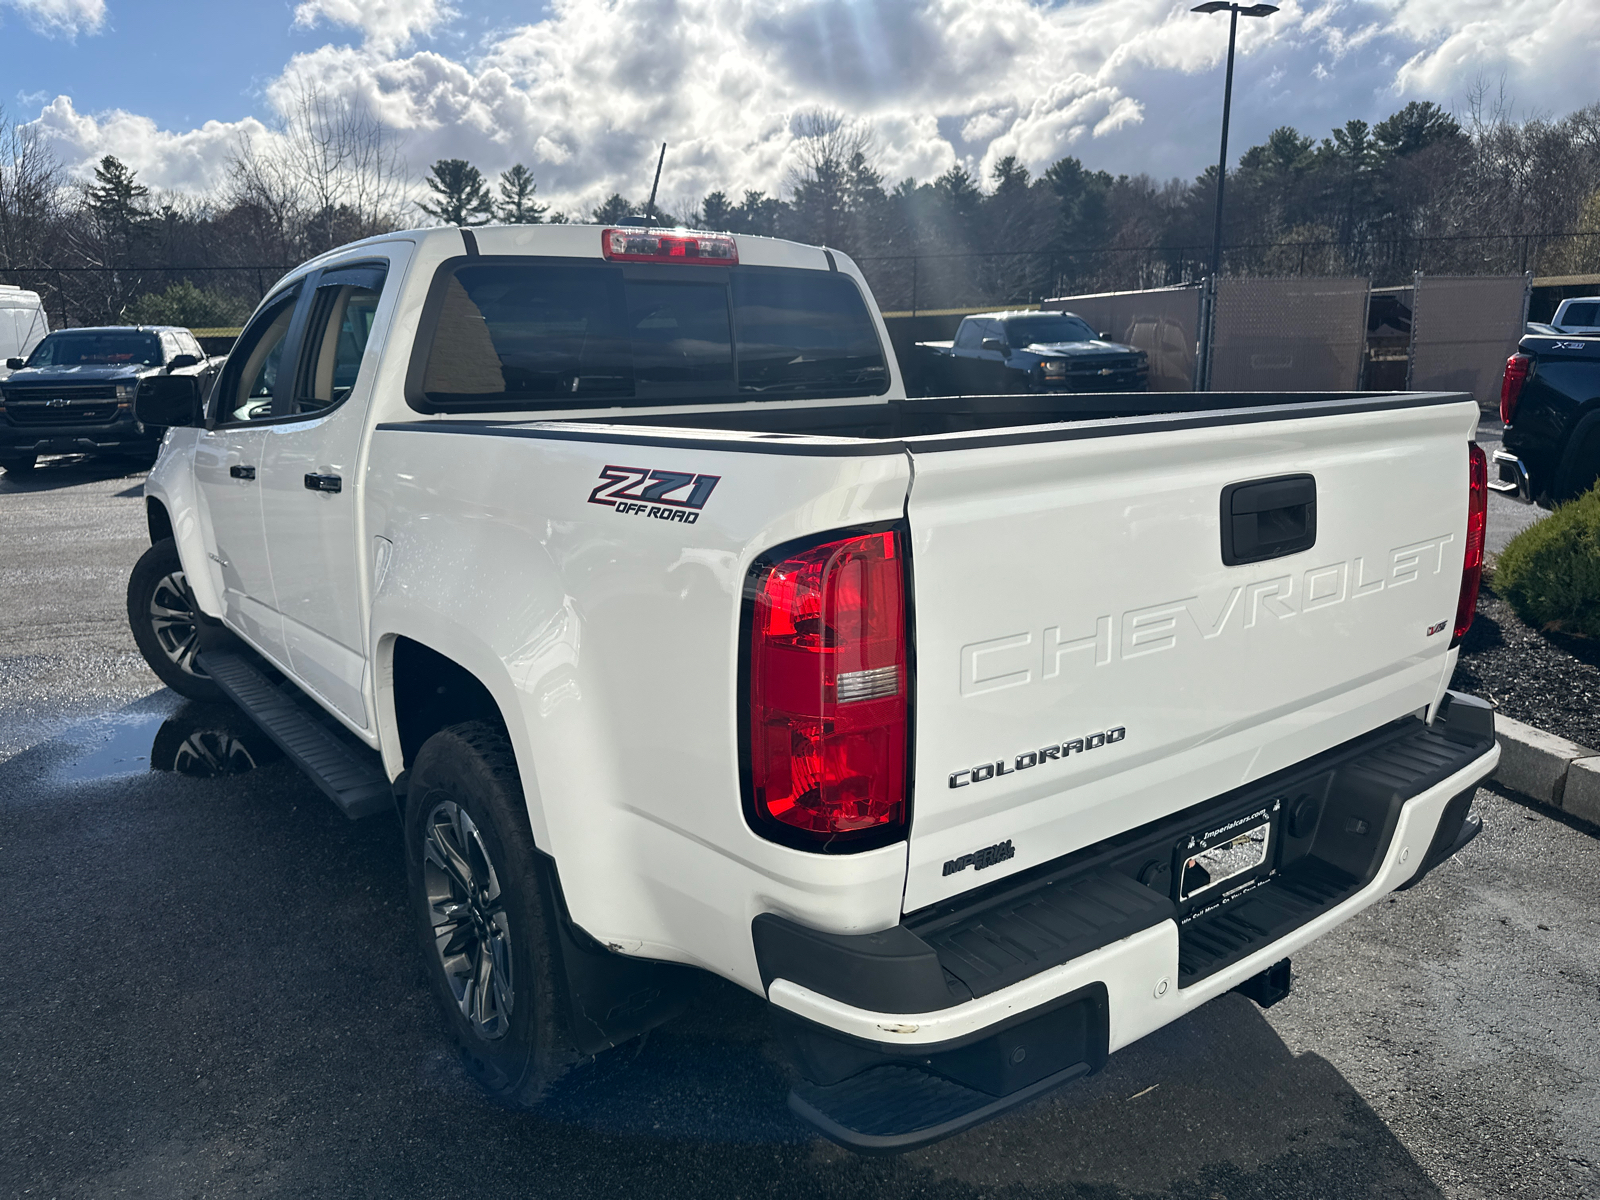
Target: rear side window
x,y
1581,314
539,333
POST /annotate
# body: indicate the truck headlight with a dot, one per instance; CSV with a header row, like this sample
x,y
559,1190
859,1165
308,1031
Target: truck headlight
x,y
1054,367
125,391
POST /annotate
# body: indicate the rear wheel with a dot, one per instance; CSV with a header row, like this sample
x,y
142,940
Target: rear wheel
x,y
166,622
1583,468
484,913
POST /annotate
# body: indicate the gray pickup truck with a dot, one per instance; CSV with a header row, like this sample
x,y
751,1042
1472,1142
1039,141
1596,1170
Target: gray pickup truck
x,y
73,394
1003,352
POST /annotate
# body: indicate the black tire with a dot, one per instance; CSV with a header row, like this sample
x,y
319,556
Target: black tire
x,y
166,623
20,466
479,896
1582,468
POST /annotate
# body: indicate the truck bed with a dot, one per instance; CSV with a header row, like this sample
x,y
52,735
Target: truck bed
x,y
937,422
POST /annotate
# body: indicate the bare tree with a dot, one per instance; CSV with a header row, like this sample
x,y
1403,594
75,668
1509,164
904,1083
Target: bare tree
x,y
345,166
833,178
30,186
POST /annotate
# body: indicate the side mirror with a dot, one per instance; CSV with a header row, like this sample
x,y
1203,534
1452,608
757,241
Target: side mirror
x,y
14,364
1104,336
167,400
179,361
997,345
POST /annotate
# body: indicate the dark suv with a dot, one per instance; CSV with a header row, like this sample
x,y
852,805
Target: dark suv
x,y
74,393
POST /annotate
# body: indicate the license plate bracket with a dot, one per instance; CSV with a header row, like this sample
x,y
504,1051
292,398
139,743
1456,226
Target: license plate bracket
x,y
1212,864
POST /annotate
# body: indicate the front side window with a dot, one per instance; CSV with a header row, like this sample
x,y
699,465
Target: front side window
x,y
250,380
541,334
114,349
340,325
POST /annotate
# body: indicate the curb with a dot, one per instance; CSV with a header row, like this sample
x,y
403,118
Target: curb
x,y
1549,769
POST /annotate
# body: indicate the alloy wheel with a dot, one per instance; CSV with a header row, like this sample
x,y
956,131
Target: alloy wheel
x,y
471,929
173,619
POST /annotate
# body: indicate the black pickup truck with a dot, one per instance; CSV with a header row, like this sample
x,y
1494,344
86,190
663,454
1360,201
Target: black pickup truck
x,y
74,392
999,352
1550,403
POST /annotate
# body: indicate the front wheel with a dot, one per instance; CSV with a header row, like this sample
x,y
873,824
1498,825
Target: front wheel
x,y
20,466
484,913
166,622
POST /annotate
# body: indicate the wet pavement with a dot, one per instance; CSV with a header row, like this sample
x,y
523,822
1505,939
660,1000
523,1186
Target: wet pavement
x,y
210,989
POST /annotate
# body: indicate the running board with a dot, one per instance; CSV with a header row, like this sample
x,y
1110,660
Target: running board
x,y
352,776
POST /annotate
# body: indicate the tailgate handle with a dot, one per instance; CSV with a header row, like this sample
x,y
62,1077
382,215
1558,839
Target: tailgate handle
x,y
1268,518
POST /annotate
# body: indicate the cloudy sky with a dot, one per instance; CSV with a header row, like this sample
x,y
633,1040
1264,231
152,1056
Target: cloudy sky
x,y
583,90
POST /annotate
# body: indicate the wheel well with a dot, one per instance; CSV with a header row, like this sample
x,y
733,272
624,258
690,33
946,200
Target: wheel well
x,y
1580,463
155,515
432,692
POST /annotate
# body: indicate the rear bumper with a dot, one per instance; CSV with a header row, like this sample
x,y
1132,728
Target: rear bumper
x,y
1511,477
881,1078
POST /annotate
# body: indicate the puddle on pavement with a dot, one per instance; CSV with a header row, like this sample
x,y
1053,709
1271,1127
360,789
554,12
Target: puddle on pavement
x,y
200,740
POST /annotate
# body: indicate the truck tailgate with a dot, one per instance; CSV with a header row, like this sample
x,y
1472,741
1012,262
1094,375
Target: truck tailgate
x,y
1087,663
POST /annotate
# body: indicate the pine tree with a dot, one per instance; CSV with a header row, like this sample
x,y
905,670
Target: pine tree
x,y
517,206
616,211
463,197
115,197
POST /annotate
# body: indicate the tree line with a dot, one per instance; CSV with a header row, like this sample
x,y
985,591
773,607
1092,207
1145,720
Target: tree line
x,y
1421,189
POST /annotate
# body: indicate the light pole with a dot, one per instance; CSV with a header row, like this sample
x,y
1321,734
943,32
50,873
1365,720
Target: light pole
x,y
1235,11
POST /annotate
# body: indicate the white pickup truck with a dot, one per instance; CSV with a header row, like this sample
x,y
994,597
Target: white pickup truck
x,y
980,736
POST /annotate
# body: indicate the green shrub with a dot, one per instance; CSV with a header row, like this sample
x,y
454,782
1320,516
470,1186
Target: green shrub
x,y
185,304
1550,573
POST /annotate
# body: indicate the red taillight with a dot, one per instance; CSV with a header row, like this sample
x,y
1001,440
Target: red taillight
x,y
1511,385
828,693
1477,519
668,246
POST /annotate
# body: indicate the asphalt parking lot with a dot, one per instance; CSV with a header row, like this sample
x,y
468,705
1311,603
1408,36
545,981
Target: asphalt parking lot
x,y
210,990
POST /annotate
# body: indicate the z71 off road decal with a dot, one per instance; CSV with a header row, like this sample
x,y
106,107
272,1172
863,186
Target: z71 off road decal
x,y
665,495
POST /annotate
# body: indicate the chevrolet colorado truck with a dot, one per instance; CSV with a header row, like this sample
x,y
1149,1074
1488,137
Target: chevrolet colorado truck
x,y
979,737
1550,403
999,352
73,394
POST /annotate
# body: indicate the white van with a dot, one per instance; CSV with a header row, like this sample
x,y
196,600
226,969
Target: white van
x,y
22,324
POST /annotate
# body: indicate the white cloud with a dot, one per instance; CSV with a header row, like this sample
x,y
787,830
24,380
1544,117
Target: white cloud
x,y
387,25
194,160
69,17
585,95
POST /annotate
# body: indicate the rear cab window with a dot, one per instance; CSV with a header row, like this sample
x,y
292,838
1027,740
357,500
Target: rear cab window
x,y
529,333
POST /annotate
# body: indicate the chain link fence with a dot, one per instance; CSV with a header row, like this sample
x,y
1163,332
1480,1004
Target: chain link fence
x,y
1463,328
914,284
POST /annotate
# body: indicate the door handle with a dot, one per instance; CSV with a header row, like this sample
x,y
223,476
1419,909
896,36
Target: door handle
x,y
242,472
1268,518
323,483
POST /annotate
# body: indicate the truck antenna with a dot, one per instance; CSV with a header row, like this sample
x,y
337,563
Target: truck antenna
x,y
650,207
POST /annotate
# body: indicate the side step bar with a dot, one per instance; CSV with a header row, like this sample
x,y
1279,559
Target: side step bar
x,y
352,776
